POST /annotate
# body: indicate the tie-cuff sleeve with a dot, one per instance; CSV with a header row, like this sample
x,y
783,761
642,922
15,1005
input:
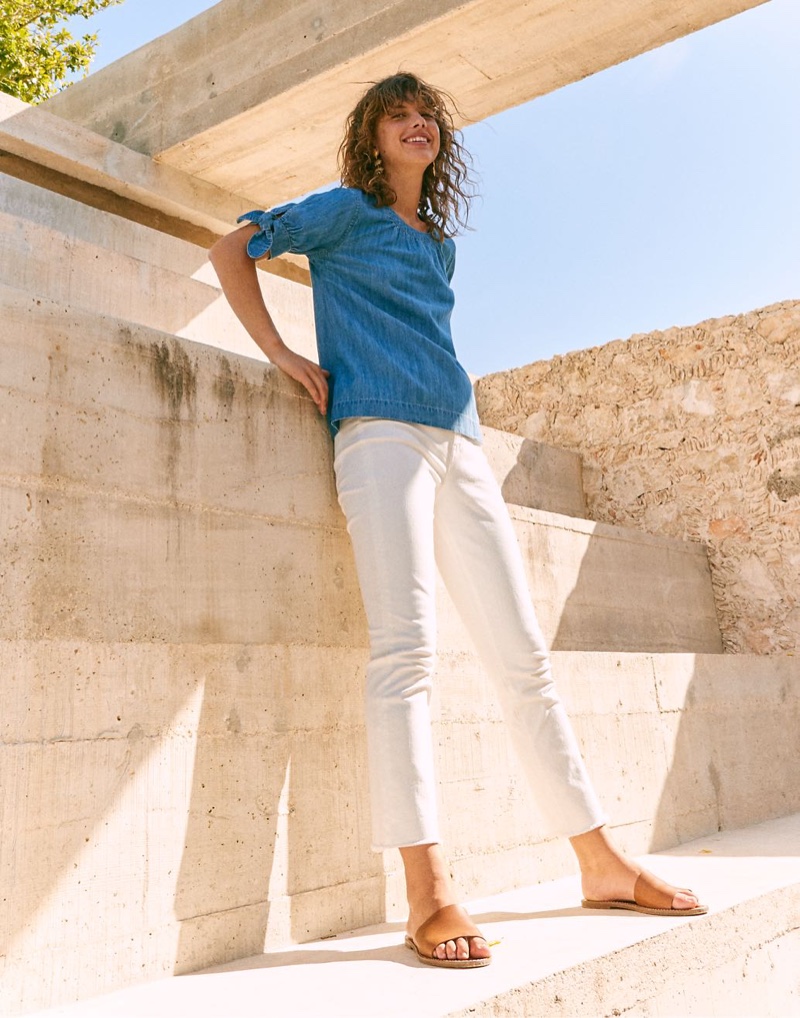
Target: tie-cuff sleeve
x,y
270,238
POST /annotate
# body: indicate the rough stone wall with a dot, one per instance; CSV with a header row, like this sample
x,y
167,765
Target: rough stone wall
x,y
694,433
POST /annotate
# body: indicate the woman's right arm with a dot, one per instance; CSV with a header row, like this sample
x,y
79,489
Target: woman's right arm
x,y
238,277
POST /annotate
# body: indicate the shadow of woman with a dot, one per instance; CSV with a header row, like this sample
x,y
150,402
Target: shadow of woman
x,y
277,840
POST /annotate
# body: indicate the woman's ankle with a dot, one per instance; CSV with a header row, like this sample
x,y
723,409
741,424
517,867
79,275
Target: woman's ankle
x,y
428,882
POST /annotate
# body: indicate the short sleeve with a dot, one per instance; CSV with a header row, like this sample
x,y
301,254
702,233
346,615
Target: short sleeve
x,y
449,258
319,222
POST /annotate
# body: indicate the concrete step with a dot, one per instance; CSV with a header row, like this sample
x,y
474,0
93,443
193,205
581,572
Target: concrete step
x,y
553,958
54,247
169,807
114,432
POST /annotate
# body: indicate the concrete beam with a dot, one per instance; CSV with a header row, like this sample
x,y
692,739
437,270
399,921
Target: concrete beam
x,y
72,160
252,96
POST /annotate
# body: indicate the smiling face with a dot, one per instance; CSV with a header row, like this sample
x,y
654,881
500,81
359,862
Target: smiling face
x,y
406,136
410,123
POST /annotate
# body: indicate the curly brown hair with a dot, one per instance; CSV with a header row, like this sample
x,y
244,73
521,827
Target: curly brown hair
x,y
446,185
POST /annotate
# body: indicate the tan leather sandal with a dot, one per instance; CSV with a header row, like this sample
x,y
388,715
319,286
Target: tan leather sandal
x,y
651,896
449,923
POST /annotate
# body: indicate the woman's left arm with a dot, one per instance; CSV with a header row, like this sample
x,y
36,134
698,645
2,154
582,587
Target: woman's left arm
x,y
238,277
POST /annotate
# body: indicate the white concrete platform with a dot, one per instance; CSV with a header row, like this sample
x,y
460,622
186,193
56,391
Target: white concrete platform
x,y
552,958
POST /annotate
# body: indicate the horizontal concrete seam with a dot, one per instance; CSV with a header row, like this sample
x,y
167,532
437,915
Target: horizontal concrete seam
x,y
510,846
258,903
719,709
72,487
195,733
202,647
325,888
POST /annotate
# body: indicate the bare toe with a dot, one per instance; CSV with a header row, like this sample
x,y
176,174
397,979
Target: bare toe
x,y
461,949
478,948
684,900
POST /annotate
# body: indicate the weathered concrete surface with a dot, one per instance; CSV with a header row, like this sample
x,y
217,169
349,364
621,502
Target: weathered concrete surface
x,y
535,474
53,246
695,433
43,149
553,958
253,96
116,267
134,459
172,806
183,648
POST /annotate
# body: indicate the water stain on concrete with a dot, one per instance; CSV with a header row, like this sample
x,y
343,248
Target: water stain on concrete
x,y
224,385
175,377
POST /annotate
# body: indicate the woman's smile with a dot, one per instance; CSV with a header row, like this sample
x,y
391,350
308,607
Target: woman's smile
x,y
407,128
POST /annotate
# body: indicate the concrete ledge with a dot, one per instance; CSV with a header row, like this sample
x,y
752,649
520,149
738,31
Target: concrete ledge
x,y
131,459
553,957
653,593
535,474
114,266
63,157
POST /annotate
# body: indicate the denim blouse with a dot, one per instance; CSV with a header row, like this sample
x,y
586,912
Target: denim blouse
x,y
382,304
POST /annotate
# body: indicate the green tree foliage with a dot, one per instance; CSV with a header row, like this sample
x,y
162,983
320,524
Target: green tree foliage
x,y
36,56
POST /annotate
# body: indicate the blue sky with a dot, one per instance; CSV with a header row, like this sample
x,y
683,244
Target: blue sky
x,y
659,192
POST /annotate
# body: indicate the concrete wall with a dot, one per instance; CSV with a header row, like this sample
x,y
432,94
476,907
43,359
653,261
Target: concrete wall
x,y
693,432
182,643
183,647
56,247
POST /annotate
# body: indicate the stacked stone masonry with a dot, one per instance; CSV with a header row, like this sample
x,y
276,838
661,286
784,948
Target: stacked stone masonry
x,y
694,433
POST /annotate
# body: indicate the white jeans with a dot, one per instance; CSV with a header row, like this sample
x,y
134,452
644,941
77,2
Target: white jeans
x,y
416,497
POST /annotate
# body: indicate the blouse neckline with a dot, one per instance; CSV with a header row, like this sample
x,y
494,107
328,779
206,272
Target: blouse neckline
x,y
402,222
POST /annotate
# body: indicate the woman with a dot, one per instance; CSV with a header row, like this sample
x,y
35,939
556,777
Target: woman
x,y
417,493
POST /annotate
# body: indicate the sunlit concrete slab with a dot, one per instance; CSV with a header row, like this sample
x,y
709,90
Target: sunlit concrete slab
x,y
134,271
553,958
252,96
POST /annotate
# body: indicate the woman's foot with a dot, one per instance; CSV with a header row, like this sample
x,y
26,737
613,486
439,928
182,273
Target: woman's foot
x,y
607,875
429,889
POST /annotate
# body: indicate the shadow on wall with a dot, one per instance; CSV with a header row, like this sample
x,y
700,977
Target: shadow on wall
x,y
205,762
233,869
635,592
681,746
182,661
276,817
732,733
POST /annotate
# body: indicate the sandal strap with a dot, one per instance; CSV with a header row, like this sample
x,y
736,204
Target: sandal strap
x,y
447,923
652,892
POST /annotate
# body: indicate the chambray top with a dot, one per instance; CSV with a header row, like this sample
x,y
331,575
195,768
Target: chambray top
x,y
382,303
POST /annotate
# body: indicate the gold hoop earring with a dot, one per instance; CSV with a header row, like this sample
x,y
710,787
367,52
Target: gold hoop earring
x,y
378,163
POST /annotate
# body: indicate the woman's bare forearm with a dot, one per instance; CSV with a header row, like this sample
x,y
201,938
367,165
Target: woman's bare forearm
x,y
238,278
